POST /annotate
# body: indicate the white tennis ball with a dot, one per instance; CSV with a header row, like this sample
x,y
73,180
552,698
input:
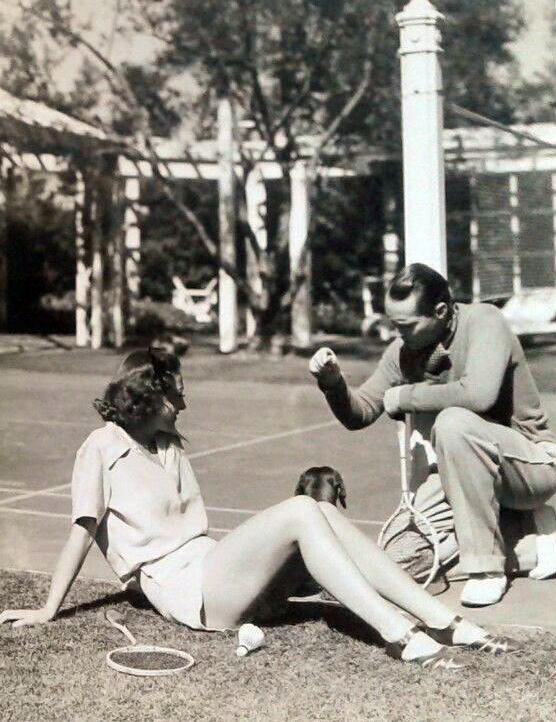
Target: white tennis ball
x,y
249,637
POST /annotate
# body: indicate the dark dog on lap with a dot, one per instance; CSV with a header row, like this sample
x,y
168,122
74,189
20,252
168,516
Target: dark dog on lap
x,y
322,483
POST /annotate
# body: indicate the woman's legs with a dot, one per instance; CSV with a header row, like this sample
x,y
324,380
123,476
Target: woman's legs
x,y
391,581
243,564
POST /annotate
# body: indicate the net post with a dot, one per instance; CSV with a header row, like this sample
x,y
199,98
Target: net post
x,y
422,135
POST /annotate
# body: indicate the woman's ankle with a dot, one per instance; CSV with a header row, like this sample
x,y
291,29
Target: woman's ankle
x,y
420,645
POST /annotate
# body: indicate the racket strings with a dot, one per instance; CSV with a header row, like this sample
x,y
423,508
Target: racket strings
x,y
148,660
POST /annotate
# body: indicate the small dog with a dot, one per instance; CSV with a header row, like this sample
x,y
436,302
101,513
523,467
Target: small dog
x,y
322,483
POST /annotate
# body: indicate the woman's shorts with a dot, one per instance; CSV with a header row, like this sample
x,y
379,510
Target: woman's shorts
x,y
174,583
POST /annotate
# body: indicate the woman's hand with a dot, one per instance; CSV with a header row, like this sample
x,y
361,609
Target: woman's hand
x,y
26,617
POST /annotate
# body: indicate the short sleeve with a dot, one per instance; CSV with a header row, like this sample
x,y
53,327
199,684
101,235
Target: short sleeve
x,y
88,494
189,488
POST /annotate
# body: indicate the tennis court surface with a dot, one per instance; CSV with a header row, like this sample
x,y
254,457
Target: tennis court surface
x,y
248,443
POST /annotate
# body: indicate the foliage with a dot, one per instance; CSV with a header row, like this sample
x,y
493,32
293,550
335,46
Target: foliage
x,y
477,62
41,250
171,248
324,70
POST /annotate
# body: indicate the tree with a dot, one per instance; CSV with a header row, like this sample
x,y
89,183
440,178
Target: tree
x,y
324,70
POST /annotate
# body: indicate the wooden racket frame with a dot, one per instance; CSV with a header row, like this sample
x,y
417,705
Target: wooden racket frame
x,y
111,617
405,432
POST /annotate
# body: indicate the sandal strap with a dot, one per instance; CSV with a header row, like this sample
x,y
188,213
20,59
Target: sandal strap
x,y
446,634
441,659
496,644
395,649
492,644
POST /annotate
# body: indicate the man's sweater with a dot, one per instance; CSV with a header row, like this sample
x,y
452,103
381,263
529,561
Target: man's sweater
x,y
485,372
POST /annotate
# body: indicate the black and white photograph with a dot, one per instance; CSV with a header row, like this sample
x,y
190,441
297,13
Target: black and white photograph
x,y
277,360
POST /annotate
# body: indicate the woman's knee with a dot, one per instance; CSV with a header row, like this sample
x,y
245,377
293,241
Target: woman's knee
x,y
300,510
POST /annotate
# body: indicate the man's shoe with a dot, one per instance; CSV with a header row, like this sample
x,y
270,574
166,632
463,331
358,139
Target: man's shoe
x,y
483,589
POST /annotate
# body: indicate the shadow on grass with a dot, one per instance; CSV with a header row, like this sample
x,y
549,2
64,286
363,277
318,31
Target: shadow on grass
x,y
134,599
335,617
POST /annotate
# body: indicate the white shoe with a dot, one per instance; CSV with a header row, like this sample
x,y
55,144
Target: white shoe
x,y
546,557
483,589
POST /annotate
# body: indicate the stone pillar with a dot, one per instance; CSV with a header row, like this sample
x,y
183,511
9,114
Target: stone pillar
x,y
255,197
300,258
422,129
227,289
82,269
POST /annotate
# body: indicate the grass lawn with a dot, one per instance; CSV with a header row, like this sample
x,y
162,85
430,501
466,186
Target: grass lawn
x,y
321,664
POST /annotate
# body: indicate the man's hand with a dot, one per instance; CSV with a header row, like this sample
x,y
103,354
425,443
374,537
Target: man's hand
x,y
325,368
392,402
26,617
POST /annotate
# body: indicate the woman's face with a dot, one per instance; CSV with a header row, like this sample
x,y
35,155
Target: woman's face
x,y
172,402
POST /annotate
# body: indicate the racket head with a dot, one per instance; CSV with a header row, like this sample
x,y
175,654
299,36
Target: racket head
x,y
149,654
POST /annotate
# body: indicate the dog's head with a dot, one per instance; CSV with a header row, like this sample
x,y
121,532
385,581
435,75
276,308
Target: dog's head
x,y
323,484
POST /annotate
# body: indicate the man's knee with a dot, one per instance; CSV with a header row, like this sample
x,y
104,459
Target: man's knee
x,y
451,424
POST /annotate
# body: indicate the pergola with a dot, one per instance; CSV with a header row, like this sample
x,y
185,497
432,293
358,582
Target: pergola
x,y
108,185
38,138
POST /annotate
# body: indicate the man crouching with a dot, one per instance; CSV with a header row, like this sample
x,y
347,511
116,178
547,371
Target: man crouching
x,y
491,437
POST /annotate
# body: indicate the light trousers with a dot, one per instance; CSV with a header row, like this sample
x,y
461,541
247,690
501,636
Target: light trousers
x,y
485,468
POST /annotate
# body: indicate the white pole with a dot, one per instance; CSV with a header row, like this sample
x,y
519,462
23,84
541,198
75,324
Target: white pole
x,y
82,271
422,128
97,272
300,257
227,290
132,192
117,276
255,196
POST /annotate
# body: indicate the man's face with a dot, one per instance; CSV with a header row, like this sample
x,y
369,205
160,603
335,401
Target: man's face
x,y
417,331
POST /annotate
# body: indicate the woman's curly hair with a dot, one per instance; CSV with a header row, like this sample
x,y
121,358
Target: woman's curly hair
x,y
135,392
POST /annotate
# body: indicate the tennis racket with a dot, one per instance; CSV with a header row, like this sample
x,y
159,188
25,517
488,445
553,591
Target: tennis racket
x,y
417,520
144,660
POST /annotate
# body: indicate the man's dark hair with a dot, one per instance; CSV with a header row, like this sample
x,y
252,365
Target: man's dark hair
x,y
430,286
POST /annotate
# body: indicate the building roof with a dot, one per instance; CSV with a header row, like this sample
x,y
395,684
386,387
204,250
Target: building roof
x,y
36,128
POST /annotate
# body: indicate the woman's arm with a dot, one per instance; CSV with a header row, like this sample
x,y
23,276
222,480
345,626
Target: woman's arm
x,y
69,563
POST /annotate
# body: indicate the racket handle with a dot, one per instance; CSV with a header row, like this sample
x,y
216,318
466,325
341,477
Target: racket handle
x,y
116,620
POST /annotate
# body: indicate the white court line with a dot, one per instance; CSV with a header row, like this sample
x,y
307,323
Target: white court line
x,y
11,485
48,422
225,509
262,439
196,455
29,494
33,512
57,515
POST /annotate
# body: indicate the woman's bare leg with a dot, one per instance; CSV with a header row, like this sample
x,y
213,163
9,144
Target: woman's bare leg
x,y
243,564
390,580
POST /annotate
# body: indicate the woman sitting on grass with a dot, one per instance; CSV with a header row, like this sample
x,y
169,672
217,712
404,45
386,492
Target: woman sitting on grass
x,y
135,493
